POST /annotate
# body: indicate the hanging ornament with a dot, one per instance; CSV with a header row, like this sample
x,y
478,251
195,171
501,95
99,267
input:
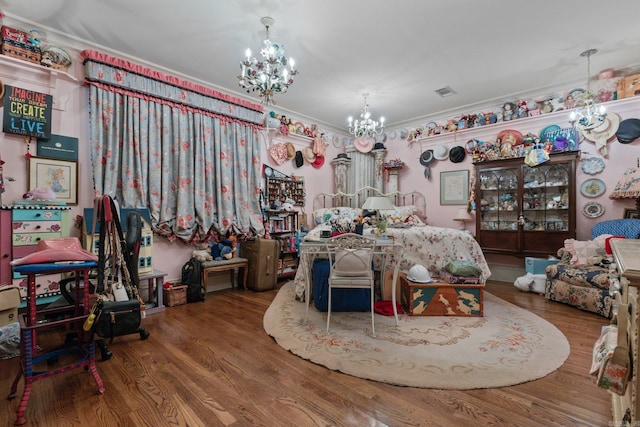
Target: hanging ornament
x,y
27,140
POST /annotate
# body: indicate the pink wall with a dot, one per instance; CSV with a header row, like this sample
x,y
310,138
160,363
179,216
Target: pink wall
x,y
70,119
620,157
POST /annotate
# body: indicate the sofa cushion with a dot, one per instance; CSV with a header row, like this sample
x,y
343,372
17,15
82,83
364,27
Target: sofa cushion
x,y
584,298
580,275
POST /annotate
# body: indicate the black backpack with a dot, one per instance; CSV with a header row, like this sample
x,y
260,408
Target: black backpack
x,y
192,277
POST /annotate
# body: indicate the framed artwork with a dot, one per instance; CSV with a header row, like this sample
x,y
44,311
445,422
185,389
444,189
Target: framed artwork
x,y
61,176
454,187
630,213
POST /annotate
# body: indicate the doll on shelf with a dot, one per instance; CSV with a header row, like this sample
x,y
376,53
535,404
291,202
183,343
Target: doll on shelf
x,y
319,149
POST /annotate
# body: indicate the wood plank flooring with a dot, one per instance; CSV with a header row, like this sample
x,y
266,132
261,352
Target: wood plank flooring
x,y
212,364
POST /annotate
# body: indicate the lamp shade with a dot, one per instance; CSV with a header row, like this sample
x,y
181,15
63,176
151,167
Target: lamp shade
x,y
629,185
376,203
463,215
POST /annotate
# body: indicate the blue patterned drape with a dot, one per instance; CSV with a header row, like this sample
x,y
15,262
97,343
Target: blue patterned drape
x,y
197,170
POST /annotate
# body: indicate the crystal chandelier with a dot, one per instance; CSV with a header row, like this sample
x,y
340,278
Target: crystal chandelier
x,y
269,75
365,126
588,116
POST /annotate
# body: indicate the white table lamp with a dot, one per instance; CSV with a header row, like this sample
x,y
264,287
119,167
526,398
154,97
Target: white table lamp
x,y
463,215
376,203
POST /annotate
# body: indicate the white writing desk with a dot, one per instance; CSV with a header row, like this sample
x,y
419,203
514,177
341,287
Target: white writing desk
x,y
388,250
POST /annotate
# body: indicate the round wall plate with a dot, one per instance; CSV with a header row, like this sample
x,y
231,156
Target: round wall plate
x,y
593,187
592,165
593,210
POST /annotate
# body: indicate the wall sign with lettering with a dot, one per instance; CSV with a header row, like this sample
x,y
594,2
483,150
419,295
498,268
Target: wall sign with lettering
x,y
27,112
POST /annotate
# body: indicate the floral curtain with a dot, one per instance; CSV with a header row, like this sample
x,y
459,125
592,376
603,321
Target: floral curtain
x,y
195,168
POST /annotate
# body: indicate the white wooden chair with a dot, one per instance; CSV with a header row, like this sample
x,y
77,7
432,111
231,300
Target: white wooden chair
x,y
350,257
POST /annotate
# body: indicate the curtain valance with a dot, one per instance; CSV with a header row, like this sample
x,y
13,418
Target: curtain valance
x,y
132,79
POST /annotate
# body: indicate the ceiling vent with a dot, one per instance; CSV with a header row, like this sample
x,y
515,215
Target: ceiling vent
x,y
445,91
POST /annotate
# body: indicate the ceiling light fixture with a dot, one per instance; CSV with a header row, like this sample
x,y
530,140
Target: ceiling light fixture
x,y
588,116
365,126
269,75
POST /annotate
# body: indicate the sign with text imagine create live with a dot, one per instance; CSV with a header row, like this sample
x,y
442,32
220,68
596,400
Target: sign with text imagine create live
x,y
27,112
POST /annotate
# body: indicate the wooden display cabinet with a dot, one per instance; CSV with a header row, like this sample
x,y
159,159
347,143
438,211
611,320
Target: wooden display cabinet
x,y
523,210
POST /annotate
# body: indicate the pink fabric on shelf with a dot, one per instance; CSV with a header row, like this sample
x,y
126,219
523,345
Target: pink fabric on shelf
x,y
54,250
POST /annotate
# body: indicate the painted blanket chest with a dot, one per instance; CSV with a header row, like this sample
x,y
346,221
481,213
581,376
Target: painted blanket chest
x,y
440,298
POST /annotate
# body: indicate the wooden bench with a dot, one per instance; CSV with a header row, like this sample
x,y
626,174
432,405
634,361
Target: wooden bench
x,y
209,267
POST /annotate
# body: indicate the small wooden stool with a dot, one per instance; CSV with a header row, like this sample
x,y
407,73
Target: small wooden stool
x,y
209,267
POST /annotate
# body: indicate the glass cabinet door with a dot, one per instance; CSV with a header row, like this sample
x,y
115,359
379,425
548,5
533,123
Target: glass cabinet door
x,y
499,201
545,198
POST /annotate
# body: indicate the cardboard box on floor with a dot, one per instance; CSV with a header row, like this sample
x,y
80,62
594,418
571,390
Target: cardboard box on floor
x,y
9,302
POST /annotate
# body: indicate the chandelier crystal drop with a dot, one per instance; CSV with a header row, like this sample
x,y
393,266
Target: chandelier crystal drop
x,y
365,126
270,74
588,116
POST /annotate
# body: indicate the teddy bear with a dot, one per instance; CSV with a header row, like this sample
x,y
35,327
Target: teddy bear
x,y
202,253
224,249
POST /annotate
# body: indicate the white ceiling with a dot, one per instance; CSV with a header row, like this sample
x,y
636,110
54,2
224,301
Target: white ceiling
x,y
398,51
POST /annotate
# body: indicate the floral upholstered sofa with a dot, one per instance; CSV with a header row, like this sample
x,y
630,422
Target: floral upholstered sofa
x,y
581,278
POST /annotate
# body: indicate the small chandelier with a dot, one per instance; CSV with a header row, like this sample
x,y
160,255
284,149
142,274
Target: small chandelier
x,y
365,127
269,75
588,116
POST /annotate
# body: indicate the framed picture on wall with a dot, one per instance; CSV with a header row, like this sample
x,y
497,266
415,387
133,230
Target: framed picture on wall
x,y
454,187
59,176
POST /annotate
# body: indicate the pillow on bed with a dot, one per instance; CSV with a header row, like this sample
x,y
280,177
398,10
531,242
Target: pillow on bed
x,y
401,215
342,214
582,251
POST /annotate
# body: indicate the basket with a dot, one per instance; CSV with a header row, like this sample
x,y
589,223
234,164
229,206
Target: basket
x,y
175,295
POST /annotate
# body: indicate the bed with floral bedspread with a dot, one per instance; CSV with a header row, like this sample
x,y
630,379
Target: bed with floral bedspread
x,y
430,246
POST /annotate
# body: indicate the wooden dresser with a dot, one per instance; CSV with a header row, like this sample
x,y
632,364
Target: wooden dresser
x,y
626,409
21,228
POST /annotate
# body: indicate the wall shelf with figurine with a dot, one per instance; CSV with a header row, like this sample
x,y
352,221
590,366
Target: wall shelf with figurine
x,y
295,132
626,107
23,65
50,79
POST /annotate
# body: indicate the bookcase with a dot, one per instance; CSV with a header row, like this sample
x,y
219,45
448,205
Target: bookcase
x,y
281,190
282,226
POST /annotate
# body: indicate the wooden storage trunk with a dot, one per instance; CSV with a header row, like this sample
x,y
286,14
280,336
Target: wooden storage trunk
x,y
440,298
175,295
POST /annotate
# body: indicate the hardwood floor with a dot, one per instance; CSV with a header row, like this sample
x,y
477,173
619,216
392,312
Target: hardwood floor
x,y
212,364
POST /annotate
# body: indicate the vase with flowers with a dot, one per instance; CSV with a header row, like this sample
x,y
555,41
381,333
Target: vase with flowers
x,y
380,225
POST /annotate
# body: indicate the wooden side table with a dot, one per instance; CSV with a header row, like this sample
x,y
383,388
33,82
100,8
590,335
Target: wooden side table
x,y
155,281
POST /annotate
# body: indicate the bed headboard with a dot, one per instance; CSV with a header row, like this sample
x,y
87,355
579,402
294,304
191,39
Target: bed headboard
x,y
357,199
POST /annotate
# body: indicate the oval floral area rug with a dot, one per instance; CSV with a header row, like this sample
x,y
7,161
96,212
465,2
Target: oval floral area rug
x,y
508,346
